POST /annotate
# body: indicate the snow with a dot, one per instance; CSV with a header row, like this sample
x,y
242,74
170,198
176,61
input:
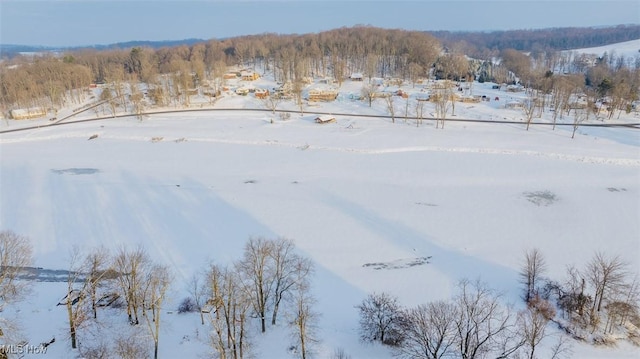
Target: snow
x,y
378,206
626,49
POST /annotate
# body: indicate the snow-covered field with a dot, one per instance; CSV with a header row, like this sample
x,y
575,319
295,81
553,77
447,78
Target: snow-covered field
x,y
365,198
626,49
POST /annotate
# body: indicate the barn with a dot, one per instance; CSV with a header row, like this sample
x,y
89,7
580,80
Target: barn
x,y
323,94
28,113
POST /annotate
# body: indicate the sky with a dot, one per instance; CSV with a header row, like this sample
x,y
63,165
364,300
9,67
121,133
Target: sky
x,y
99,22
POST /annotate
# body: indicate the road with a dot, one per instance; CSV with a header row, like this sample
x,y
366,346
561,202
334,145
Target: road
x,y
64,121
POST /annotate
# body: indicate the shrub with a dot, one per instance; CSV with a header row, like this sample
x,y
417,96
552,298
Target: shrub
x,y
187,306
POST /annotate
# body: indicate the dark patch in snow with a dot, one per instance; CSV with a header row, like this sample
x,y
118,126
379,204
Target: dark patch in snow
x,y
76,171
399,263
250,181
541,198
426,204
613,189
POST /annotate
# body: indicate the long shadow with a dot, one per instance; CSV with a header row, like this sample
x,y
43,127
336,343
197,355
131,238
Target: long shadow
x,y
453,263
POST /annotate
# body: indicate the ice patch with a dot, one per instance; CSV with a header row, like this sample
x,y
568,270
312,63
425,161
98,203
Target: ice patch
x,y
76,171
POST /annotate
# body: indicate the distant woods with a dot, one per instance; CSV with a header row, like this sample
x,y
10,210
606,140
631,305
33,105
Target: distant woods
x,y
171,73
555,39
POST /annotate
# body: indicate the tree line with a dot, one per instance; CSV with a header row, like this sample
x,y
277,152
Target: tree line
x,y
553,39
170,75
270,281
588,305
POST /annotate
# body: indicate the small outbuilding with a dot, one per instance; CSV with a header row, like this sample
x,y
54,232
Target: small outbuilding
x,y
325,119
356,76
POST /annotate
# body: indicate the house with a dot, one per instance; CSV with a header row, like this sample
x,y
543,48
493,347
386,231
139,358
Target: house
x,y
402,94
28,113
327,81
470,99
356,76
514,105
261,93
249,75
515,88
242,91
231,75
322,119
323,94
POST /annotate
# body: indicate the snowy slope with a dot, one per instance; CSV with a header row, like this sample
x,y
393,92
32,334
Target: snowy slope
x,y
626,49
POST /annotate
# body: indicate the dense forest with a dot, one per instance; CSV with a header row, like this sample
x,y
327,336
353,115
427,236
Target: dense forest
x,y
539,40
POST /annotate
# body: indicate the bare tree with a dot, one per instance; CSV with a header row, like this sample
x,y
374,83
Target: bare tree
x,y
415,71
198,292
131,344
15,255
380,318
136,98
531,273
304,317
296,90
529,108
257,275
442,99
77,313
534,322
287,267
482,325
606,275
132,266
340,353
578,118
368,92
272,102
389,100
107,96
572,299
96,265
230,306
429,331
419,109
157,281
371,66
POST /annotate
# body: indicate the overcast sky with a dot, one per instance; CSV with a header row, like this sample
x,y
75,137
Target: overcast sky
x,y
88,22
